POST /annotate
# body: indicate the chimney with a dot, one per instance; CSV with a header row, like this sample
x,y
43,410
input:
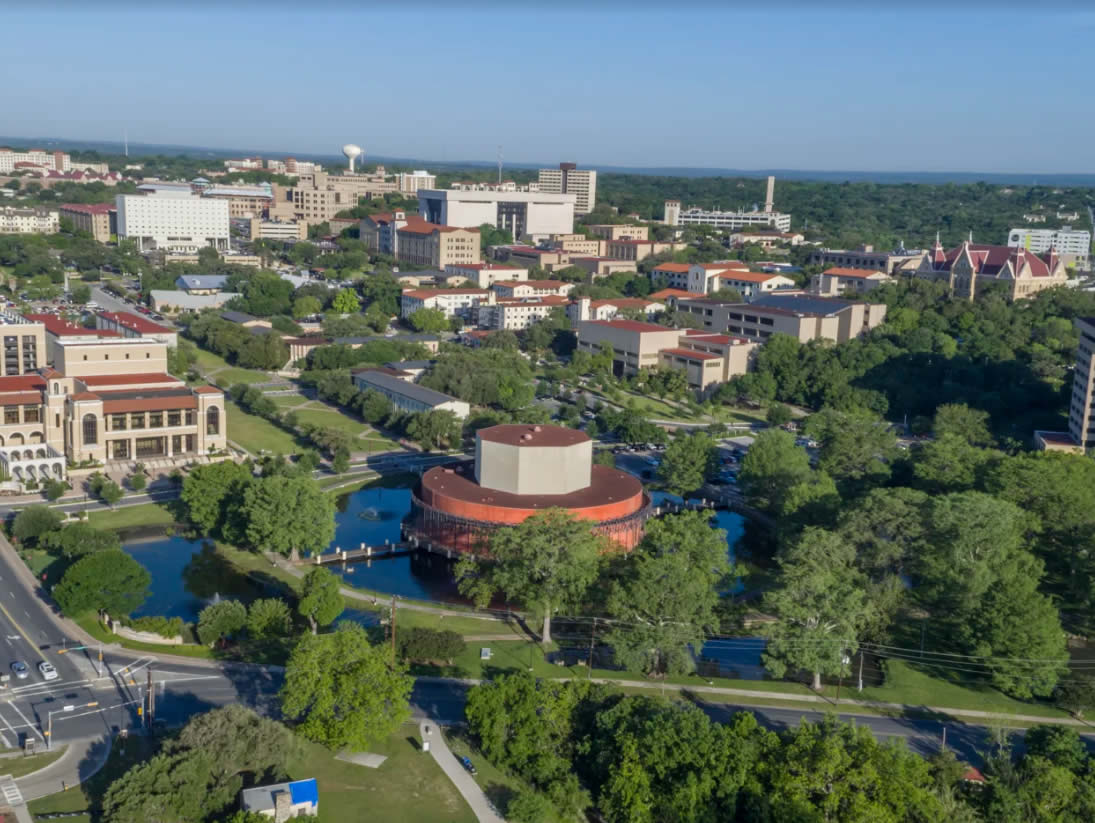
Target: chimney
x,y
283,807
769,197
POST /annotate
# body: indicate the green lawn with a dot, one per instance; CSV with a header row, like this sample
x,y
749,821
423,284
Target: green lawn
x,y
331,418
208,361
143,514
408,788
231,376
256,434
22,766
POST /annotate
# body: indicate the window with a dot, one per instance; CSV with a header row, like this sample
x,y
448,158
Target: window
x,y
174,418
11,415
155,420
136,420
189,417
213,420
118,422
31,414
91,430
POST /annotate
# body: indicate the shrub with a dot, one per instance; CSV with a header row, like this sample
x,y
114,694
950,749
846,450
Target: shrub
x,y
163,626
429,644
35,521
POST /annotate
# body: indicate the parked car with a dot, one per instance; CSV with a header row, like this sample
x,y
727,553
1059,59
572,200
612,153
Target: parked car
x,y
467,764
20,670
47,670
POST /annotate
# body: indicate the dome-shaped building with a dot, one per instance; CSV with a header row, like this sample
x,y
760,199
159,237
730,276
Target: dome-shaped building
x,y
520,470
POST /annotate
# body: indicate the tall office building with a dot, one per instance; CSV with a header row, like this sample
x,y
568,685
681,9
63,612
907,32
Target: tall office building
x,y
569,179
1081,411
1069,243
173,220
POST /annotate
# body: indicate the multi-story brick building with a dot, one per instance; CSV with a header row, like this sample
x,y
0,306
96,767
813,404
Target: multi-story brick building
x,y
804,317
969,267
32,220
433,246
98,219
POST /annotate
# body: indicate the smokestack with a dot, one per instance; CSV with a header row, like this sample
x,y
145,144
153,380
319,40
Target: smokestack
x,y
769,198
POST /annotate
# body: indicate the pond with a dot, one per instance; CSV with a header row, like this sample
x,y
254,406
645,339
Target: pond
x,y
188,574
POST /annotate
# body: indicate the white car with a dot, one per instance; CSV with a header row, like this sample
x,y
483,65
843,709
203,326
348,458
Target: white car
x,y
47,670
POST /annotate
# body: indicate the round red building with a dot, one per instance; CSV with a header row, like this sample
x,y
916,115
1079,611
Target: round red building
x,y
520,470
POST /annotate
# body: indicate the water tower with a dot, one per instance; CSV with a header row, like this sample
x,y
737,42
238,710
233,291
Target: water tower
x,y
352,152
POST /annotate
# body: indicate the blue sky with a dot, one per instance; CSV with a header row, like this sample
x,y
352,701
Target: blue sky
x,y
851,88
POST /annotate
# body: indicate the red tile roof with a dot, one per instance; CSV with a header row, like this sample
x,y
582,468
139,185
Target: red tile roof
x,y
20,398
632,325
207,390
681,268
135,322
21,382
992,261
664,293
139,404
748,276
424,294
422,227
484,266
59,327
128,379
84,395
724,264
623,303
691,354
536,284
539,300
89,208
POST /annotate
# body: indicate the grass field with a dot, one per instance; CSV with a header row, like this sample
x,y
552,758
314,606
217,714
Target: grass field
x,y
143,514
331,418
256,434
408,788
22,766
231,376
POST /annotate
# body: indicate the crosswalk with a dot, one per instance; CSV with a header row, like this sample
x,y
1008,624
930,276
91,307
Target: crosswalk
x,y
12,795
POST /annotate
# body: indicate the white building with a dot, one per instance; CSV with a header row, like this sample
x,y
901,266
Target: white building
x,y
1067,241
750,284
732,220
530,216
532,288
411,182
176,220
518,313
55,160
28,221
453,302
569,179
485,275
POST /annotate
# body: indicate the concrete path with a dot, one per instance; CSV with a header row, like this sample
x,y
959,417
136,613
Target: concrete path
x,y
82,759
456,772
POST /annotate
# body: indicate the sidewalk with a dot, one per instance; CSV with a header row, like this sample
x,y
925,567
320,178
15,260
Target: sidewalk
x,y
81,760
456,772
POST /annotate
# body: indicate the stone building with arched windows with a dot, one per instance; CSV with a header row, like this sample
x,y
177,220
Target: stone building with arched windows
x,y
49,419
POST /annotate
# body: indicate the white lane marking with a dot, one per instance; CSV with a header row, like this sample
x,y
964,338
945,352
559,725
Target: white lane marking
x,y
14,733
49,685
26,720
187,679
12,794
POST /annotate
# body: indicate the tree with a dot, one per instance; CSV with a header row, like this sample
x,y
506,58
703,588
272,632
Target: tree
x,y
209,258
211,491
436,429
666,599
375,407
34,522
343,691
949,464
530,807
288,515
198,774
429,321
820,606
110,492
546,562
81,293
42,288
429,644
268,617
346,302
779,414
54,489
307,306
320,599
263,351
1077,694
771,467
959,420
79,539
219,620
856,447
687,462
109,581
138,482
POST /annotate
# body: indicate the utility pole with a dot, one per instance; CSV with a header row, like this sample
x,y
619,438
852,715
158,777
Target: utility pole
x,y
151,698
592,637
860,670
393,629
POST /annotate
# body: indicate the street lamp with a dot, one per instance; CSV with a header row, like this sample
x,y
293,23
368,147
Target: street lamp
x,y
69,708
